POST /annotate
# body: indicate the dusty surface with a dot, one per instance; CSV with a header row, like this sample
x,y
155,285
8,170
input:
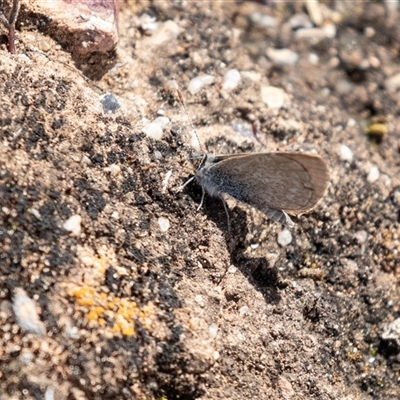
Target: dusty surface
x,y
131,310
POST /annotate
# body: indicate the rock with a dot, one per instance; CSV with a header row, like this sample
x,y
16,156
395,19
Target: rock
x,y
26,314
361,236
213,329
393,83
73,225
231,79
345,154
284,237
110,103
164,224
162,121
373,175
300,21
153,131
84,27
282,56
197,83
274,97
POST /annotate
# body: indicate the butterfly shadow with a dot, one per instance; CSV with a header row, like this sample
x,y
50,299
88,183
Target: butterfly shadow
x,y
259,272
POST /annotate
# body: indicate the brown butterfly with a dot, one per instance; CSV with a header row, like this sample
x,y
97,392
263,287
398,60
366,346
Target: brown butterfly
x,y
277,184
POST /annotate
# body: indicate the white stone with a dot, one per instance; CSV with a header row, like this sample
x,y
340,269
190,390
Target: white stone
x,y
86,160
274,97
282,56
164,224
393,83
231,79
243,310
373,175
313,58
153,131
345,153
251,75
167,32
113,169
35,212
284,237
49,393
162,121
197,83
199,300
26,314
73,225
361,236
213,329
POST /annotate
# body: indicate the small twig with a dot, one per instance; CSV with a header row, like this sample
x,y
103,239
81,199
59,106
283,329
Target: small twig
x,y
10,23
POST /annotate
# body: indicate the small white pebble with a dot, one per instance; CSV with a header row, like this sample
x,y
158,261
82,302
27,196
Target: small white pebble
x,y
243,310
158,155
361,236
86,160
162,121
153,131
345,153
161,112
393,83
373,175
274,97
231,79
24,57
115,215
73,225
25,312
313,58
197,83
216,355
165,181
369,32
213,329
284,237
232,269
199,300
164,224
282,56
49,393
251,75
329,30
351,123
35,212
113,169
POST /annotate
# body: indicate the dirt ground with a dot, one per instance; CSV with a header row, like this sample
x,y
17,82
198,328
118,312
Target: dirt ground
x,y
145,297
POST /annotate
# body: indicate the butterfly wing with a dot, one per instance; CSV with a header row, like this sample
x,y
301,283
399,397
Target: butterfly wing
x,y
271,182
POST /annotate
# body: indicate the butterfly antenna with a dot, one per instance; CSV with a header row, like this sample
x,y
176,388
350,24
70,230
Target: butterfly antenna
x,y
180,97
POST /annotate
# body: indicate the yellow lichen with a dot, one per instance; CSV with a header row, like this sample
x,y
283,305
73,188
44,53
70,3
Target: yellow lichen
x,y
105,307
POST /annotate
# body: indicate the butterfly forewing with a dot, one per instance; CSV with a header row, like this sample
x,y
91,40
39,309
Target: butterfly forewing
x,y
293,182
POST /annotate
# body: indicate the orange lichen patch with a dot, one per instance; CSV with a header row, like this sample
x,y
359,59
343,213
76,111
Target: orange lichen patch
x,y
94,313
115,313
83,291
128,330
85,302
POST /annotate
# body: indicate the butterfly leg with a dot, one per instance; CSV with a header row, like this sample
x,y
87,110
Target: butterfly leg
x,y
227,213
180,188
202,198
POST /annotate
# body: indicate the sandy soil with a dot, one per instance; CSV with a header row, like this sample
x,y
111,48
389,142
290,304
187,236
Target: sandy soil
x,y
145,297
